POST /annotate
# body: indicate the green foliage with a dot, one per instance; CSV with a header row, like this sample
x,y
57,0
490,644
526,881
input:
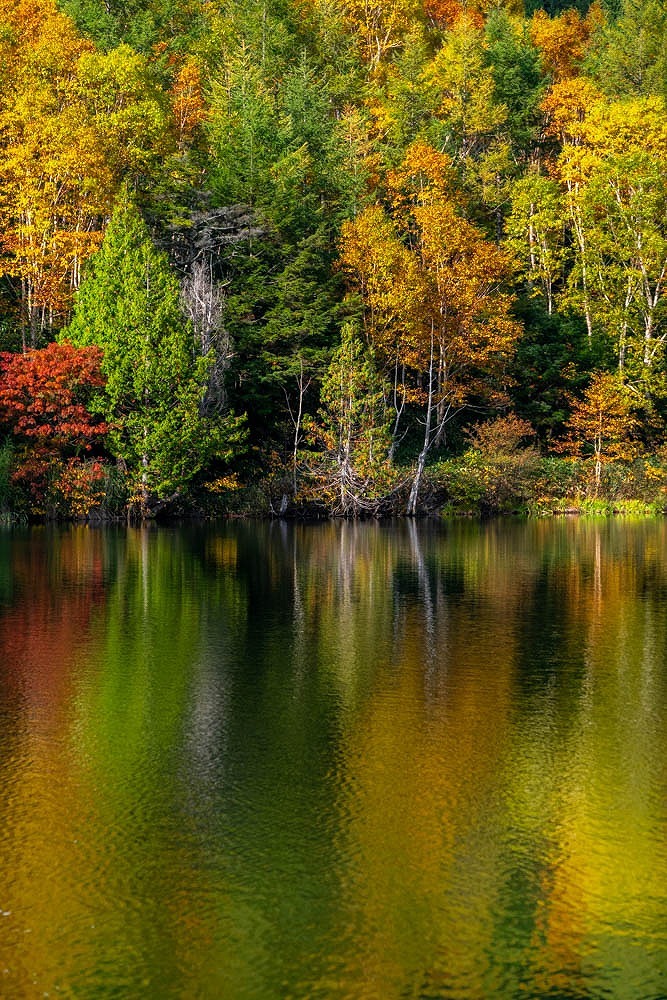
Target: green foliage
x,y
409,103
496,474
462,88
534,232
10,335
555,7
552,361
353,429
276,148
143,24
129,306
563,487
628,55
281,313
6,461
95,20
517,77
296,116
475,484
480,484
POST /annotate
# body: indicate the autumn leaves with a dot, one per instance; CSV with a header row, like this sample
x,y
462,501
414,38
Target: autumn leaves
x,y
455,213
74,124
434,291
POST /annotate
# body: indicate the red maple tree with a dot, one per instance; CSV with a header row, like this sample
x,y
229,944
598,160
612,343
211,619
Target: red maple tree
x,y
44,403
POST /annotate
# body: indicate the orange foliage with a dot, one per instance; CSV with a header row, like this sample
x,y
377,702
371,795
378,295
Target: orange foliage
x,y
41,394
43,402
187,102
603,423
566,106
561,40
445,13
501,437
425,175
428,277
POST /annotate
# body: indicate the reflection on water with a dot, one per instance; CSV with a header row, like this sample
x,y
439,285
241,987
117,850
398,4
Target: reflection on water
x,y
343,761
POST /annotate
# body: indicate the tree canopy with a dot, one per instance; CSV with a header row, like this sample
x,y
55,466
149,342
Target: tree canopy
x,y
456,210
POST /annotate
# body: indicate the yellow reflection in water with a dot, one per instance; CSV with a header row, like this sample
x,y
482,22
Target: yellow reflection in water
x,y
342,761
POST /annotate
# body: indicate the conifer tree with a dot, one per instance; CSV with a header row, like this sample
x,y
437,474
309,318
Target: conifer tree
x,y
129,306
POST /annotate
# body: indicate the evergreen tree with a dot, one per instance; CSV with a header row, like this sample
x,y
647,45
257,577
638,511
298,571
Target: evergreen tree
x,y
143,24
518,83
129,306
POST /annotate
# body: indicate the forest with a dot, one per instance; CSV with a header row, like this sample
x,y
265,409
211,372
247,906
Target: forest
x,y
332,257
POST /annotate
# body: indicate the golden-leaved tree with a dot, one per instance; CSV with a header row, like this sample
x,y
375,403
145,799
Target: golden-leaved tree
x,y
603,424
612,172
562,40
53,180
436,307
379,26
73,122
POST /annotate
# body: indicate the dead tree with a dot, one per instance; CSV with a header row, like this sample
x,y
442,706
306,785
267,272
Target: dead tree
x,y
203,301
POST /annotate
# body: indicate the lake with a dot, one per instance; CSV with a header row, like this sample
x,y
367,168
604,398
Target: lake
x,y
371,761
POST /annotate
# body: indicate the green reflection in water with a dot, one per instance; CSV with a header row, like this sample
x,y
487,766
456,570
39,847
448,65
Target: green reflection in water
x,y
364,761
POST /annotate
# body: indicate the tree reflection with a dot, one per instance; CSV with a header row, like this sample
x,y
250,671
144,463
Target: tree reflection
x,y
370,760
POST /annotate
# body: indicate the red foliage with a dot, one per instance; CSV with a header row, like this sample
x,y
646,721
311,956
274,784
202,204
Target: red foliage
x,y
43,396
43,402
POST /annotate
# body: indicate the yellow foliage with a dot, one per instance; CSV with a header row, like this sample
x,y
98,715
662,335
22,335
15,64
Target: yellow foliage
x,y
379,26
561,41
566,105
224,484
430,283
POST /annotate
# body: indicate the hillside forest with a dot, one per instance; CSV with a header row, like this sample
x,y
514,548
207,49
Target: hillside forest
x,y
332,257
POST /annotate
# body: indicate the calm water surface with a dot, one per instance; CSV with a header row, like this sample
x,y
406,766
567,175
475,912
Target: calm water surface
x,y
367,761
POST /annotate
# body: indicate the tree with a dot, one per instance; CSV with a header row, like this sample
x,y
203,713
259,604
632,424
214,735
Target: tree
x,y
628,54
434,292
44,395
565,106
383,272
353,427
406,111
603,423
45,402
242,131
54,182
143,24
561,41
445,13
517,77
380,26
463,91
130,113
129,306
552,362
203,303
73,123
535,233
616,197
187,103
357,159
